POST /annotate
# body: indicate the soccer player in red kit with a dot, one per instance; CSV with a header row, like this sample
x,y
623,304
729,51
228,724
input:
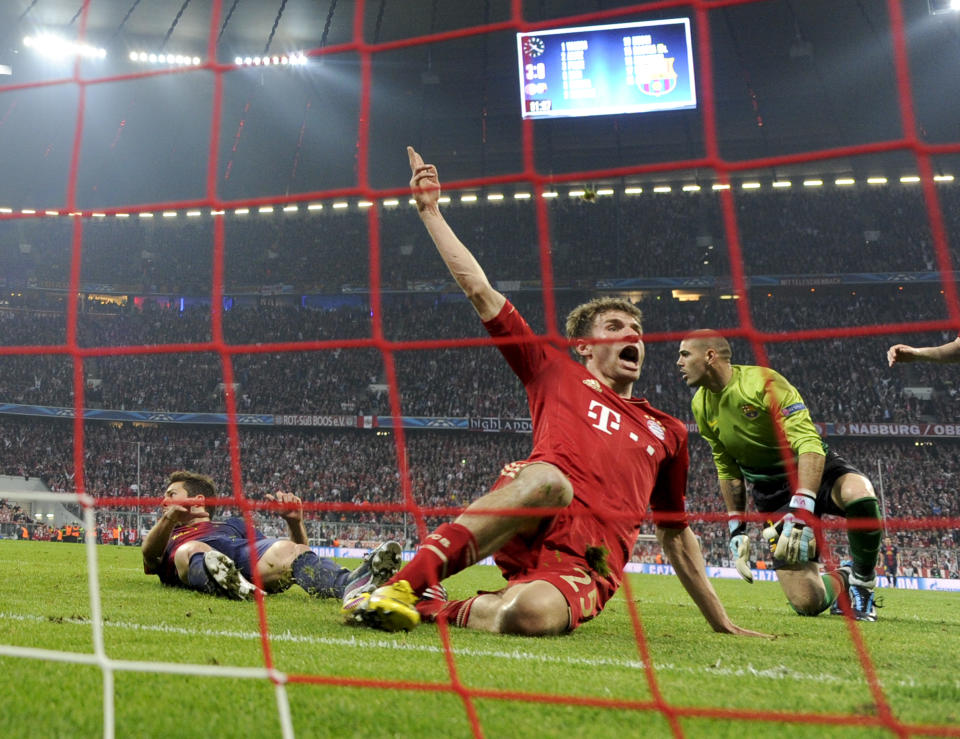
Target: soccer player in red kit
x,y
600,457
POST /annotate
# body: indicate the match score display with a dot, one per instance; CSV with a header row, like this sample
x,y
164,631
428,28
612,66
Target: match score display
x,y
605,70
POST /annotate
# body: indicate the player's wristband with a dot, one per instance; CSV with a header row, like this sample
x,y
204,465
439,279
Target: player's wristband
x,y
803,499
735,523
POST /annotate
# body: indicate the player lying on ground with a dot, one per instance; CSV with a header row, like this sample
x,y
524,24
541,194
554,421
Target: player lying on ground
x,y
734,408
599,454
944,354
186,548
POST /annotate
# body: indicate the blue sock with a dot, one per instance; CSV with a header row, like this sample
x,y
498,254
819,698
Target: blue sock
x,y
197,576
321,578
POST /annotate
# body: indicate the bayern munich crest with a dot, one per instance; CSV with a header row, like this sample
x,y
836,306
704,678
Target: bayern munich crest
x,y
656,428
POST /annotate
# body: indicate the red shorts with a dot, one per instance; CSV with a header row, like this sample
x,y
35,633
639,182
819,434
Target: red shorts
x,y
558,554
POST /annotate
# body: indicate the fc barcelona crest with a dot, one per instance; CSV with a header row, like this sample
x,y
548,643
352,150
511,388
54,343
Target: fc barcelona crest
x,y
661,78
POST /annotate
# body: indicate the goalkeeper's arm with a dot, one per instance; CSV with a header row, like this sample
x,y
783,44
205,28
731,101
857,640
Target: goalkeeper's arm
x,y
794,534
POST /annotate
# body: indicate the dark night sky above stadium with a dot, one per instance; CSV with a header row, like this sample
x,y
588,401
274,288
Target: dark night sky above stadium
x,y
818,74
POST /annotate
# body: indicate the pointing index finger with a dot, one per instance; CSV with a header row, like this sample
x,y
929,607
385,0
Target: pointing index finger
x,y
415,159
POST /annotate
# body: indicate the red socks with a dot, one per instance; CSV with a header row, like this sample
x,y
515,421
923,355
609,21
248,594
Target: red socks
x,y
455,612
448,550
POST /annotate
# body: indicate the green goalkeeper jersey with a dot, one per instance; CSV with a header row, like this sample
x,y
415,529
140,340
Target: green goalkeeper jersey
x,y
738,425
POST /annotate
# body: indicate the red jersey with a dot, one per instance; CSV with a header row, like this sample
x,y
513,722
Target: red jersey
x,y
620,454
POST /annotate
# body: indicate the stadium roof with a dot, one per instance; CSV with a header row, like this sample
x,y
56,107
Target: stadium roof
x,y
790,76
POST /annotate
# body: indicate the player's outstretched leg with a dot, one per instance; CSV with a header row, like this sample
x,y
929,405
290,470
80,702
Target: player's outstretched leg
x,y
227,577
388,608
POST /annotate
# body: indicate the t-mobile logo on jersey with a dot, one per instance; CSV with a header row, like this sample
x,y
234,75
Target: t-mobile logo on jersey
x,y
606,418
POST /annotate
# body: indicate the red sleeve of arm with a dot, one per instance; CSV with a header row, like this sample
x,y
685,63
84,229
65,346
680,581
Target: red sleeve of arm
x,y
669,492
525,357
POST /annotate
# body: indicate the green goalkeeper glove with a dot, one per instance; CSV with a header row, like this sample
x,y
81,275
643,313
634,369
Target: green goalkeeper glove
x,y
740,547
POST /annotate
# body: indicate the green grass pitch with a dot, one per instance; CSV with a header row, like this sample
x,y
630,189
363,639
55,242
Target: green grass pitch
x,y
369,684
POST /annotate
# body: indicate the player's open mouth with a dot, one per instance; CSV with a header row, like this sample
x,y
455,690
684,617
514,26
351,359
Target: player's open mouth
x,y
630,354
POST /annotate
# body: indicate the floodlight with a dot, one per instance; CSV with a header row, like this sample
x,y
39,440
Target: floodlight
x,y
943,6
57,47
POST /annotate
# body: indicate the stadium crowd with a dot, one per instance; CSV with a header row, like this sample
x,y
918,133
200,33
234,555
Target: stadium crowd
x,y
831,372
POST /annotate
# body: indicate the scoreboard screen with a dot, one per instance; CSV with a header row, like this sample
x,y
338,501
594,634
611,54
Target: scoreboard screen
x,y
605,70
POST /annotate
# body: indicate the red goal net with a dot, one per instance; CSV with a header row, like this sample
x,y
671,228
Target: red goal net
x,y
531,166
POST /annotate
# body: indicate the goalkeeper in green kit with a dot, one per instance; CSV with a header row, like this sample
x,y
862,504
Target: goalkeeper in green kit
x,y
734,408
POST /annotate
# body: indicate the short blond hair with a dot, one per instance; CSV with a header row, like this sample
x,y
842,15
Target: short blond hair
x,y
581,319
